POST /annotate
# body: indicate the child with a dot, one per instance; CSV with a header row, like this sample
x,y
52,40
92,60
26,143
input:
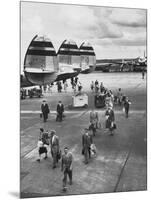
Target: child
x,y
41,149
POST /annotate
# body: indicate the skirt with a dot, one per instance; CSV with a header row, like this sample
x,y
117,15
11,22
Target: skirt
x,y
42,150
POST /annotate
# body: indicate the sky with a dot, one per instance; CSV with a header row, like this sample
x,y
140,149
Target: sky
x,y
113,32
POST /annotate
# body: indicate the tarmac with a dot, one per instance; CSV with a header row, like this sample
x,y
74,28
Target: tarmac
x,y
121,161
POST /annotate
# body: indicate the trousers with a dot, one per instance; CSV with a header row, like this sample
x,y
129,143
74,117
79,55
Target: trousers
x,y
67,172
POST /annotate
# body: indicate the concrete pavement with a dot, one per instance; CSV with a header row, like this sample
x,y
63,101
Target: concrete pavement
x,y
121,162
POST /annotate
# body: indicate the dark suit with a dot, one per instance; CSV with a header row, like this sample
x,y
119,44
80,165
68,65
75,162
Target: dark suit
x,y
126,106
86,143
66,167
45,111
60,110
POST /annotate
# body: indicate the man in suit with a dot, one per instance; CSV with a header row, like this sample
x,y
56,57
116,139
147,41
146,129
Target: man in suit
x,y
119,96
126,106
86,144
94,121
66,167
54,142
60,110
45,110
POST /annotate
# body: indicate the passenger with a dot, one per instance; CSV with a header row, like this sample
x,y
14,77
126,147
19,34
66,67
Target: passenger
x,y
74,87
42,148
101,87
94,121
65,86
50,88
96,82
143,74
119,96
59,86
45,88
79,86
45,137
92,86
72,80
40,87
67,167
60,110
96,89
110,118
54,142
86,143
109,99
126,106
45,110
76,80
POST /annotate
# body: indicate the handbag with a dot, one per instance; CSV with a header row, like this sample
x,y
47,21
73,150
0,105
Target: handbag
x,y
114,126
40,115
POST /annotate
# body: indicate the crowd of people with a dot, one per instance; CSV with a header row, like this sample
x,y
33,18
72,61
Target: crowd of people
x,y
62,86
50,142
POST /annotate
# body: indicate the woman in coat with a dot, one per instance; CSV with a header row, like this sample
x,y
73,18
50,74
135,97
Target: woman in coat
x,y
110,118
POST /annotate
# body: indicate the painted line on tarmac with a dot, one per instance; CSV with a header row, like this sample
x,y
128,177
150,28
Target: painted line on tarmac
x,y
82,112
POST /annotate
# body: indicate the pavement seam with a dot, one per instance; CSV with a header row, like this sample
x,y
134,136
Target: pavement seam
x,y
122,170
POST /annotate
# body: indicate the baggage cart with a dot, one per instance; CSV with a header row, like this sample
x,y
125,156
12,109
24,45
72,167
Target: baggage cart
x,y
80,100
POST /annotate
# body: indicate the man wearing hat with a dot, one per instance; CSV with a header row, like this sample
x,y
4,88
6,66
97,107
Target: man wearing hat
x,y
126,106
45,110
54,142
110,118
66,167
86,144
60,110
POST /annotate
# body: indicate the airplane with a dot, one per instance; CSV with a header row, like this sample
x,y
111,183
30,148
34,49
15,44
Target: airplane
x,y
142,61
43,66
69,60
129,64
40,63
88,58
110,65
